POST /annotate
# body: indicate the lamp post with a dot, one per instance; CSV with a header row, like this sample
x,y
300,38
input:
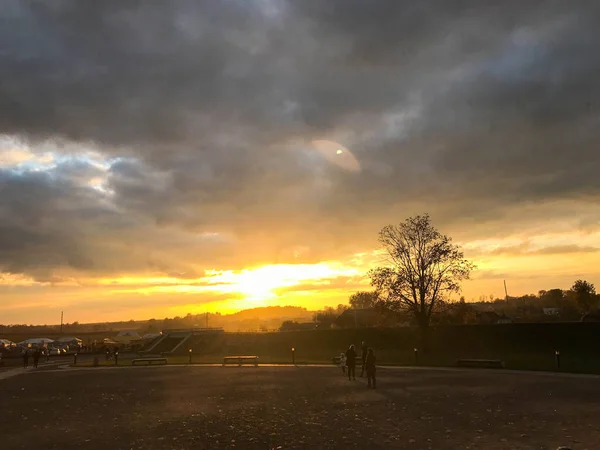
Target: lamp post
x,y
190,353
116,358
416,356
557,356
74,359
293,356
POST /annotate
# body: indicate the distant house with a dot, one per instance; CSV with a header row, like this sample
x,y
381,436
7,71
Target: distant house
x,y
5,343
70,340
36,342
360,318
290,325
505,319
491,317
307,326
551,311
151,336
127,336
106,342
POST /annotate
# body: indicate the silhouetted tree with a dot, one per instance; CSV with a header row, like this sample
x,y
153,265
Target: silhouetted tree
x,y
585,294
552,298
363,300
423,268
288,325
152,327
464,313
326,317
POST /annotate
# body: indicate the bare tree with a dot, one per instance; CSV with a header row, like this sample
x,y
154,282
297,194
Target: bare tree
x,y
423,268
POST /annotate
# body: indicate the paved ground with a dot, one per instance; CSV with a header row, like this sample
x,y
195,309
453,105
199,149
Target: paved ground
x,y
299,408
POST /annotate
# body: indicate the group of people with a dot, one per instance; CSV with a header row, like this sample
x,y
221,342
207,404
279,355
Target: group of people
x,y
36,354
348,360
111,353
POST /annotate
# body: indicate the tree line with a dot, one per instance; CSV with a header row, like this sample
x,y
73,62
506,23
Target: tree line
x,y
423,269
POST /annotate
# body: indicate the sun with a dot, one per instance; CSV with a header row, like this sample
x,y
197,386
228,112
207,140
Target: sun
x,y
259,284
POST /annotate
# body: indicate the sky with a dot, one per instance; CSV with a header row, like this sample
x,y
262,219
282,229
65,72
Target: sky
x,y
165,157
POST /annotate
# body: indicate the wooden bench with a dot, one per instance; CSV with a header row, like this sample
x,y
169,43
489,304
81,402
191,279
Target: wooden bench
x,y
481,363
240,360
149,361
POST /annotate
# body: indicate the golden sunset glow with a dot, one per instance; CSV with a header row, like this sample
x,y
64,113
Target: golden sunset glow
x,y
143,181
523,263
261,286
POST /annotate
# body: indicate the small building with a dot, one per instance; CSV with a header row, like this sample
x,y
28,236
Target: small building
x,y
290,325
492,317
126,337
35,342
105,343
359,318
69,340
151,336
504,319
5,343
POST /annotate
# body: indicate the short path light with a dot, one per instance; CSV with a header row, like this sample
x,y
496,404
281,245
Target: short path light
x,y
190,353
293,356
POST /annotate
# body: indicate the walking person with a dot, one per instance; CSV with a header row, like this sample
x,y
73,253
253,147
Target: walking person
x,y
370,367
363,357
25,359
343,362
351,362
36,357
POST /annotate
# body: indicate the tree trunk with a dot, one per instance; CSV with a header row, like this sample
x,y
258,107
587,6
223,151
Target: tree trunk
x,y
423,323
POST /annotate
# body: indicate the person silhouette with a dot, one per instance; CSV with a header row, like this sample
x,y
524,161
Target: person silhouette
x,y
25,359
363,357
36,357
343,362
351,362
370,368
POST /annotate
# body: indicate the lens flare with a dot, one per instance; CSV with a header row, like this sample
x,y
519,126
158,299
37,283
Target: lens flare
x,y
337,154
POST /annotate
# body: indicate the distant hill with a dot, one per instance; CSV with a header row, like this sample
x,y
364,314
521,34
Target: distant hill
x,y
271,312
256,319
260,319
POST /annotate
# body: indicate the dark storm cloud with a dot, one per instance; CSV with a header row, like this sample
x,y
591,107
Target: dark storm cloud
x,y
52,223
34,212
467,109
